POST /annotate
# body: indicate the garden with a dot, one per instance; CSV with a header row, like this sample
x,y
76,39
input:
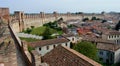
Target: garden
x,y
48,30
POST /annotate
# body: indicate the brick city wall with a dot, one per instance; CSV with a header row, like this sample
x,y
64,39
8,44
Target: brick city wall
x,y
23,21
4,14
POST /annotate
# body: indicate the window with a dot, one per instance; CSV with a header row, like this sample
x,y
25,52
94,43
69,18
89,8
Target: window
x,y
112,36
66,44
47,47
107,60
111,57
72,39
109,36
53,46
40,49
101,53
115,36
108,53
117,41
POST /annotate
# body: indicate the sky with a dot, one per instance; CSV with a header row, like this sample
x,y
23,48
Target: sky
x,y
61,6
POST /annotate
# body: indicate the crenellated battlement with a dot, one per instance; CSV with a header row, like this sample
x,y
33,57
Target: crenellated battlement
x,y
25,21
21,21
55,15
4,14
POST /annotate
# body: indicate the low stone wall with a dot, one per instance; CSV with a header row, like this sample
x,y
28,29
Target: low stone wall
x,y
22,59
29,36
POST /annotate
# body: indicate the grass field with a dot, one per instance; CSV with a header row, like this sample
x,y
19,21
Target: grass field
x,y
40,30
29,39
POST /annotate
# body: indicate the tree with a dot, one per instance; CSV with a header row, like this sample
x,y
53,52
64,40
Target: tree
x,y
88,49
79,13
104,21
60,20
70,26
117,27
47,34
28,30
116,64
98,19
32,27
94,18
103,12
85,19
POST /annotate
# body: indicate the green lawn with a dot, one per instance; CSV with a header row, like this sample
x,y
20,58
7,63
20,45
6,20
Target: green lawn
x,y
30,48
29,39
40,30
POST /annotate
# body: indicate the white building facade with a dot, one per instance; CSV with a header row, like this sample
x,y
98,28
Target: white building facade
x,y
45,46
44,49
73,38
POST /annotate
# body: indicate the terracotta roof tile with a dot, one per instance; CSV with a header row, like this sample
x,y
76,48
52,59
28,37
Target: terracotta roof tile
x,y
114,33
108,47
103,44
68,35
48,42
63,56
100,40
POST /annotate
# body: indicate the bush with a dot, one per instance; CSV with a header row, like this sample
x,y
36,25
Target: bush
x,y
94,18
61,19
85,19
32,27
40,30
28,30
70,26
47,34
29,39
104,21
117,27
30,48
88,49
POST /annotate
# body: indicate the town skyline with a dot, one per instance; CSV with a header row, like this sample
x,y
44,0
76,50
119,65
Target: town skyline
x,y
70,38
87,6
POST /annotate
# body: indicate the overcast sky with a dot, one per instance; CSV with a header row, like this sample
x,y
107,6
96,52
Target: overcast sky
x,y
35,6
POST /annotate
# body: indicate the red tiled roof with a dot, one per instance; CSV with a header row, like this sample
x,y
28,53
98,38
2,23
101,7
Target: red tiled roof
x,y
108,47
48,42
68,35
114,33
100,40
63,56
103,44
83,30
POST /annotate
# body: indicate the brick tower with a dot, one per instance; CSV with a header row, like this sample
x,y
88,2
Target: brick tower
x,y
55,15
19,15
4,15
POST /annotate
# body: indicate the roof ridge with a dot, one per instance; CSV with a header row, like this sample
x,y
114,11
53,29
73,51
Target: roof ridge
x,y
82,56
48,42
